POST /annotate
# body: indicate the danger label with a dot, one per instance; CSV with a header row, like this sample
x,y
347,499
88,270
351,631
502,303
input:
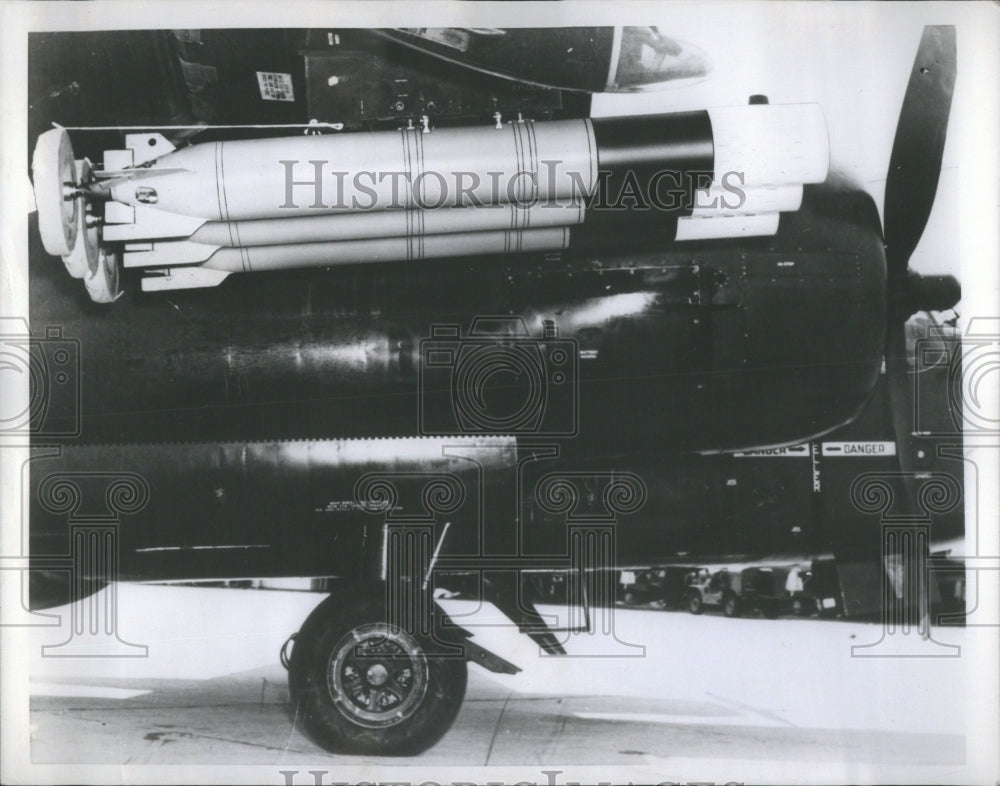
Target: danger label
x,y
800,451
859,448
275,87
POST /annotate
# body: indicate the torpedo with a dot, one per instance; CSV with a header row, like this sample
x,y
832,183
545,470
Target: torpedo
x,y
191,217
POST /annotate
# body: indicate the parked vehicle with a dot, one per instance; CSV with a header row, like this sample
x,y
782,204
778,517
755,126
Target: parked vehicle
x,y
764,588
822,588
642,585
664,586
721,589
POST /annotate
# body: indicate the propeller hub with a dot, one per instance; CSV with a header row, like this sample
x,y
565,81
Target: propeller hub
x,y
935,293
914,293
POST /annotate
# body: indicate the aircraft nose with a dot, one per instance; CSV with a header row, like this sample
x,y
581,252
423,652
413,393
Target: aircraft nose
x,y
647,60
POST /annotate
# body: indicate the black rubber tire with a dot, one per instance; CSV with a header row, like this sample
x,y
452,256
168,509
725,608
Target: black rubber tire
x,y
322,637
694,603
731,605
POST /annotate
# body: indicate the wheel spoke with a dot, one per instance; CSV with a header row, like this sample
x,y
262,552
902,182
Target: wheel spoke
x,y
396,686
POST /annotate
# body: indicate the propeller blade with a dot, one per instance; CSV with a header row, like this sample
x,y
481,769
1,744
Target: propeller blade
x,y
915,163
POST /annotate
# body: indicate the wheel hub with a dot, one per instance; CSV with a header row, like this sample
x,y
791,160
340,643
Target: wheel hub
x,y
377,675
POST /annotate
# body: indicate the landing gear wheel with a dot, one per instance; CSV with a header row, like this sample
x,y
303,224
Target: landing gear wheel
x,y
83,259
103,283
54,171
363,686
